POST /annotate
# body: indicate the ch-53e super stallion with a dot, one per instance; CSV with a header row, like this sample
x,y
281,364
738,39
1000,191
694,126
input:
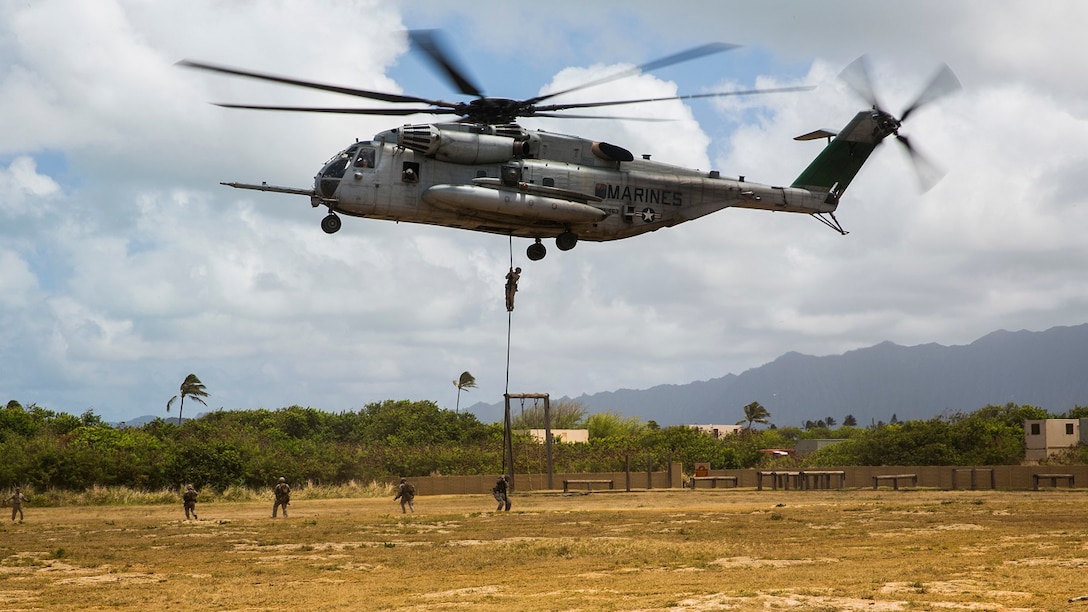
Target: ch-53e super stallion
x,y
484,172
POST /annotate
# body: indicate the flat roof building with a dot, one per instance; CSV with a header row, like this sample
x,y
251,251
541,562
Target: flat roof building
x,y
1046,437
718,431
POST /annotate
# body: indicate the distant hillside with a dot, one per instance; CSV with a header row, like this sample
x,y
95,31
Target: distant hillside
x,y
1047,369
147,418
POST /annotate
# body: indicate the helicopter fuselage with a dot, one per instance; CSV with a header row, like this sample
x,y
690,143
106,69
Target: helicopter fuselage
x,y
529,184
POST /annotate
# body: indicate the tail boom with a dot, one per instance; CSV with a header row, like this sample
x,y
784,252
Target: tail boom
x,y
837,165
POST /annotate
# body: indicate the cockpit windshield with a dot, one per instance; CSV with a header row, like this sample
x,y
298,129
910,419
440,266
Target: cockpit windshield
x,y
338,164
335,168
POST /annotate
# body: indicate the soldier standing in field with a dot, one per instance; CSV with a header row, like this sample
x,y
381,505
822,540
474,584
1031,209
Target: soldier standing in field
x,y
406,492
501,493
17,498
189,500
283,497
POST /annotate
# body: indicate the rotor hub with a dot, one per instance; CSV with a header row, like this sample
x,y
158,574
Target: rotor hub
x,y
886,124
494,110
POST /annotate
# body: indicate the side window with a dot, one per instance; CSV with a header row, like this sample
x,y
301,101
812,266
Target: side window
x,y
549,181
1069,429
365,159
481,174
1034,429
409,172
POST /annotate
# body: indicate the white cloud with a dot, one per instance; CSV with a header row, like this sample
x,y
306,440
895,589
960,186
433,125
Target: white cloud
x,y
23,190
676,138
130,267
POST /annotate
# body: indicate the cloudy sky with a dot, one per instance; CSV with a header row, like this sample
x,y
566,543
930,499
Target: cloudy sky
x,y
124,265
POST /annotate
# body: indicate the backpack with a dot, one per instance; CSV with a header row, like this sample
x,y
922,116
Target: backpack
x,y
189,496
410,489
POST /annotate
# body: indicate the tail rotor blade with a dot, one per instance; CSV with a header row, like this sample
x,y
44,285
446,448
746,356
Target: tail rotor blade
x,y
942,84
856,76
928,173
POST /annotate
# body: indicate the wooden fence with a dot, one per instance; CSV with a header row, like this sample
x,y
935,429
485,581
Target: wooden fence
x,y
1005,477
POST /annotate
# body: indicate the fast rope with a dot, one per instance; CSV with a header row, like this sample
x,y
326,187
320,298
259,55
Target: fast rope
x,y
509,320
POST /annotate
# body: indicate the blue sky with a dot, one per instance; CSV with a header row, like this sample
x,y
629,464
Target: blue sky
x,y
124,265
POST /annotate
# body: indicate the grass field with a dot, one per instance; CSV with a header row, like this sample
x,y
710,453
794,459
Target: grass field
x,y
675,549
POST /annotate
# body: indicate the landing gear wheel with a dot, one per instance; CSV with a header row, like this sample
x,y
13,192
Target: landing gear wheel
x,y
566,241
331,224
536,251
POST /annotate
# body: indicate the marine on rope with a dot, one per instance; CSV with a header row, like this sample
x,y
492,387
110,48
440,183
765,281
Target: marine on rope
x,y
512,278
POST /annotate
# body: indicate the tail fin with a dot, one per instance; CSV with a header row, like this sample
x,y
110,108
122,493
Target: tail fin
x,y
837,165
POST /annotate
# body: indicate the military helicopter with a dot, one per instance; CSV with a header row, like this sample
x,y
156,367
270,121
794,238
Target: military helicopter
x,y
484,172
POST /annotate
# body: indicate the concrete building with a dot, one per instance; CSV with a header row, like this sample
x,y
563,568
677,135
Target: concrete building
x,y
1046,437
718,431
562,435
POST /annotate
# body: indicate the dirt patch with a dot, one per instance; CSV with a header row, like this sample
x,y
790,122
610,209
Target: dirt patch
x,y
735,562
763,601
480,590
118,578
1050,562
319,547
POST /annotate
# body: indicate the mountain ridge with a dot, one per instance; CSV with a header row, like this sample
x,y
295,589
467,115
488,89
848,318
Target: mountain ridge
x,y
1048,369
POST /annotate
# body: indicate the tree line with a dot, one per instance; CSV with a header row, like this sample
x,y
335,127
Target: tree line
x,y
384,440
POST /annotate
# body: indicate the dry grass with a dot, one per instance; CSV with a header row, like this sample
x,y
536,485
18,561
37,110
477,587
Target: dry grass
x,y
125,496
702,550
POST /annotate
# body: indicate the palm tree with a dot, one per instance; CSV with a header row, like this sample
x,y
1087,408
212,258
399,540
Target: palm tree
x,y
192,387
466,381
755,413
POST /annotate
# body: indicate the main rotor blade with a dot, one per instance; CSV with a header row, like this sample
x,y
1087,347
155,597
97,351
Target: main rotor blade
x,y
856,76
943,83
676,58
720,94
360,93
565,116
345,111
430,42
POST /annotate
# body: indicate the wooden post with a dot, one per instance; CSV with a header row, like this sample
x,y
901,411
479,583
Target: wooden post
x,y
548,439
650,472
508,445
627,471
509,450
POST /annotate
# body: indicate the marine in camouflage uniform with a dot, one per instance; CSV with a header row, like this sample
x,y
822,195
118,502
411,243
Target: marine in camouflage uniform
x,y
405,493
189,499
283,497
501,493
512,278
17,498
